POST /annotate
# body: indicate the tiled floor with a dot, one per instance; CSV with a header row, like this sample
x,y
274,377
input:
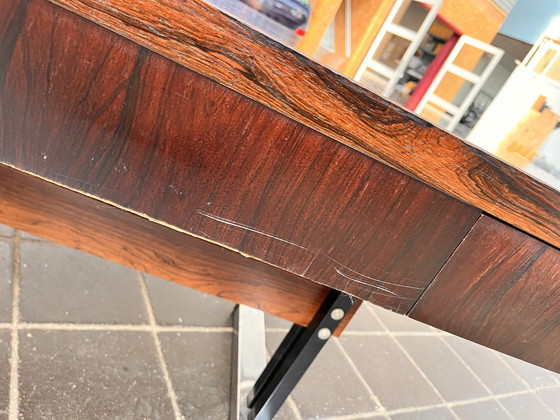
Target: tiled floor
x,y
82,338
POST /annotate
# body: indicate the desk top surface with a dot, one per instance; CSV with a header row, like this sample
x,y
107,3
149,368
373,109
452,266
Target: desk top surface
x,y
202,38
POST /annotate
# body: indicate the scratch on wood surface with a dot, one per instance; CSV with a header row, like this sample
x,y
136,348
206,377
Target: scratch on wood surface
x,y
362,282
246,227
121,167
374,291
354,280
53,176
175,189
204,234
310,264
374,279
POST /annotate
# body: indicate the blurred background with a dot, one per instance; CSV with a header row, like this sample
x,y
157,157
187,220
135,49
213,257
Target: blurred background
x,y
486,70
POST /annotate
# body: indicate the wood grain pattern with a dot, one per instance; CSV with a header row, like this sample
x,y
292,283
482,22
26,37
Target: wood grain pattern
x,y
200,37
98,228
101,115
500,289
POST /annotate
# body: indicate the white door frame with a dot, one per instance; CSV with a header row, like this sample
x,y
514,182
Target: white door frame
x,y
415,39
457,112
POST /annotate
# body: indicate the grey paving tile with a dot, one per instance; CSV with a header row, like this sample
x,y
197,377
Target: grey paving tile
x,y
90,375
64,285
484,410
200,369
6,264
179,305
5,338
399,323
488,367
363,320
274,322
330,387
556,376
439,413
285,413
551,397
6,230
273,340
443,368
527,406
388,372
535,376
26,235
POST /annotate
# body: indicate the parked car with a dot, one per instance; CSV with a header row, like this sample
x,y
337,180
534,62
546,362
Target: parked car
x,y
291,13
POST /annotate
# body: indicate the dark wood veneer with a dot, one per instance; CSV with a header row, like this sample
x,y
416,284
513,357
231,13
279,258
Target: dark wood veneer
x,y
182,164
99,114
72,219
501,289
202,38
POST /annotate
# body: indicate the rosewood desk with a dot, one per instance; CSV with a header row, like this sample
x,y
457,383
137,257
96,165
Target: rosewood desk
x,y
169,137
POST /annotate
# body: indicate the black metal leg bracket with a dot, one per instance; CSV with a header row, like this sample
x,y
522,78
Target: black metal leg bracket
x,y
295,354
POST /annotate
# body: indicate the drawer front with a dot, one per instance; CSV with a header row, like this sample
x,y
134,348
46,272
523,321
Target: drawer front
x,y
501,288
116,121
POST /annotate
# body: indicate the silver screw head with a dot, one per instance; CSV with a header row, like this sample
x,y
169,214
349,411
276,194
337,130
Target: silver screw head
x,y
337,314
324,333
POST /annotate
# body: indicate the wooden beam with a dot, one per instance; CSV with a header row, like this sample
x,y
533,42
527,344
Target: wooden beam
x,y
322,15
39,207
367,36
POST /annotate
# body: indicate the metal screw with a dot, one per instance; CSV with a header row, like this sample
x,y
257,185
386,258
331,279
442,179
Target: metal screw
x,y
324,333
337,314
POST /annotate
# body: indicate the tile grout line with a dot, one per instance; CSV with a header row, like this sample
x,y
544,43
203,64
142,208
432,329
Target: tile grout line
x,y
354,333
543,402
13,409
411,360
16,326
358,416
392,333
361,378
554,376
432,406
152,319
489,398
512,370
499,396
531,389
294,408
368,414
116,327
24,240
473,373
